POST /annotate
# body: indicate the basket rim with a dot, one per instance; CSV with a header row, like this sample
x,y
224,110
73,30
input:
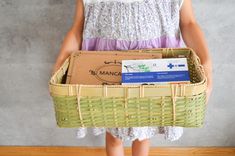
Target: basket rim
x,y
202,83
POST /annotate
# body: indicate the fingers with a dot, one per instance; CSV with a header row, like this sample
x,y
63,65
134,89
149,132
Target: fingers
x,y
208,93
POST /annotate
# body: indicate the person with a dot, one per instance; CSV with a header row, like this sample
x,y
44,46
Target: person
x,y
128,25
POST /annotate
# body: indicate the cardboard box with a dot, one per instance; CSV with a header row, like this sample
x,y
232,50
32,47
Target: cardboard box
x,y
102,67
155,71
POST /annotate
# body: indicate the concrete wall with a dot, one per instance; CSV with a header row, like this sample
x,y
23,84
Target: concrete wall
x,y
31,32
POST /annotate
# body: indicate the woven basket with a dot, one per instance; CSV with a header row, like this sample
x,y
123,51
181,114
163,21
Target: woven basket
x,y
132,105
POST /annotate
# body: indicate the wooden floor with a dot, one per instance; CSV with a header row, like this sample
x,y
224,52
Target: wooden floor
x,y
84,151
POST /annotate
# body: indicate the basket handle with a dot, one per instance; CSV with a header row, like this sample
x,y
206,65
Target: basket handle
x,y
200,66
173,96
141,91
78,90
198,59
171,50
105,91
126,96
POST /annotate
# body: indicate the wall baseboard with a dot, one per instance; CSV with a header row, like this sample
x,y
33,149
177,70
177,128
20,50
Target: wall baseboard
x,y
86,151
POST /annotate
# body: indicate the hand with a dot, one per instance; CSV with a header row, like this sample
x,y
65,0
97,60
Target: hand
x,y
208,73
55,68
208,93
208,90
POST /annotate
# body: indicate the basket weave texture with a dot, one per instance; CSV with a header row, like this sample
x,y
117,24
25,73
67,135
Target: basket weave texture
x,y
182,105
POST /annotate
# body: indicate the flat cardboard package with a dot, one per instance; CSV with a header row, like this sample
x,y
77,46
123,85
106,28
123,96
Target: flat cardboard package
x,y
155,71
102,67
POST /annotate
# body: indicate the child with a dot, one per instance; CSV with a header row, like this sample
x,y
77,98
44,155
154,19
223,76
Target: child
x,y
135,24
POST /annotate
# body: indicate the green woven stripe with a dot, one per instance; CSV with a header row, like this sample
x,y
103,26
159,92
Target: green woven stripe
x,y
111,112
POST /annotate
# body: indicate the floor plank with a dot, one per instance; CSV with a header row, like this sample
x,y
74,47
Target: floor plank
x,y
85,151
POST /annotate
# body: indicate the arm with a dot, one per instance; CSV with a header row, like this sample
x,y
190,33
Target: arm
x,y
194,38
73,38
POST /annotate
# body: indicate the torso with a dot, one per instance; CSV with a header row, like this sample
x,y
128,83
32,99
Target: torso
x,y
131,24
